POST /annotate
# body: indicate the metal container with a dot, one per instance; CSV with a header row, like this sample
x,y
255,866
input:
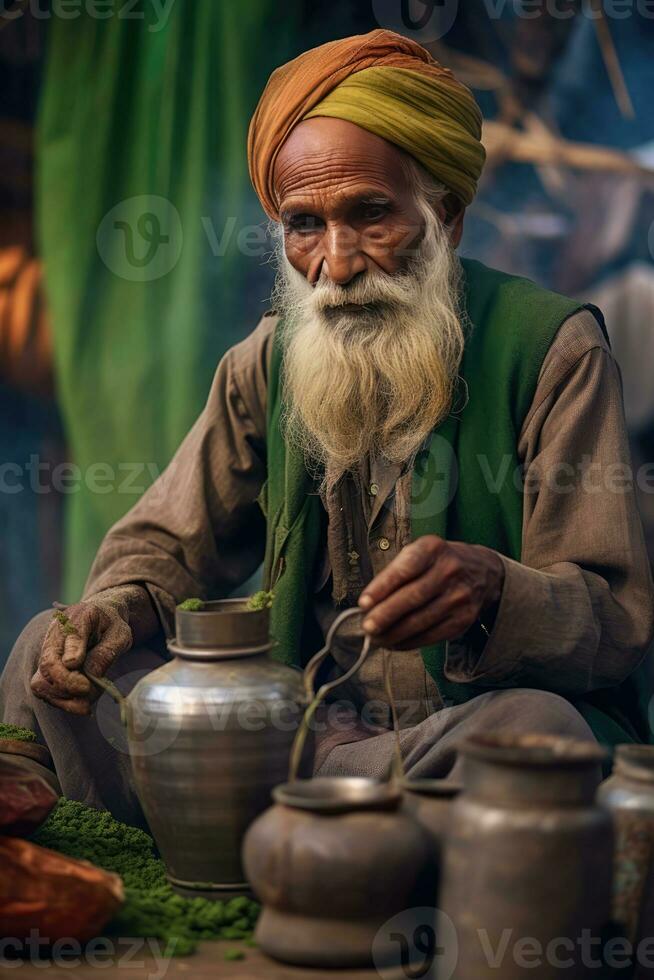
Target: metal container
x,y
209,736
430,801
628,795
332,861
527,859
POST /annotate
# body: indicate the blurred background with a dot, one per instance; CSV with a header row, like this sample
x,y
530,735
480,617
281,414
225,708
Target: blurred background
x,y
133,251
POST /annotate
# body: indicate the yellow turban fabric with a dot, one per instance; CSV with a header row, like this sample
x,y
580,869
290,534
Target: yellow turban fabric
x,y
388,85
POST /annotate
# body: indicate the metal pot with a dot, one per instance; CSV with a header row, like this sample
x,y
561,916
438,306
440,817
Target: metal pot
x,y
331,862
628,795
209,736
335,858
527,858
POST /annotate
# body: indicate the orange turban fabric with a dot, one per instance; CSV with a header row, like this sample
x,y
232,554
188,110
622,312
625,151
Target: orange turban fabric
x,y
384,83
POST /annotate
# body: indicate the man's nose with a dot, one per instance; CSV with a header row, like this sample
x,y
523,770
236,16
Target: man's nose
x,y
343,259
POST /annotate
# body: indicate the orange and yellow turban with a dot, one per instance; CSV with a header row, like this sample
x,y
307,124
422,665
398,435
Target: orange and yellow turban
x,y
384,83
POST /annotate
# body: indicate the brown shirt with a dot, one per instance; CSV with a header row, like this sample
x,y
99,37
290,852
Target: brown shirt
x,y
575,614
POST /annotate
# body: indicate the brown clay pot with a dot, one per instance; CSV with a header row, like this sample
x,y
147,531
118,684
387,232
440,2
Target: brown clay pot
x,y
628,795
527,858
331,862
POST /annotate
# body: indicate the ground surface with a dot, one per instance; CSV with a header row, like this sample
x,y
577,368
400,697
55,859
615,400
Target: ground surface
x,y
126,962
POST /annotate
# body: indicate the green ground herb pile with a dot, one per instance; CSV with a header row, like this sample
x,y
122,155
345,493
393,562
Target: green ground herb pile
x,y
192,605
152,909
16,733
67,628
260,600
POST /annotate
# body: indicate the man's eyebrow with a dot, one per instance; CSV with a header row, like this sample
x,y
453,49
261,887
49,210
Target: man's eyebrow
x,y
372,199
292,210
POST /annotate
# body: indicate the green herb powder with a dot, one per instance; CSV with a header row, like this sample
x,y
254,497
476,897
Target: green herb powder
x,y
260,600
152,909
16,733
192,605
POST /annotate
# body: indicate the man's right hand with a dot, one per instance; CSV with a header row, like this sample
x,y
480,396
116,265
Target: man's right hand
x,y
90,634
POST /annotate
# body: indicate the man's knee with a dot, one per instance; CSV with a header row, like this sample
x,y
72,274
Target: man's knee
x,y
530,710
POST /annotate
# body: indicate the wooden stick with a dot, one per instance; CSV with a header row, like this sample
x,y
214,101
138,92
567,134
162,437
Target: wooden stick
x,y
612,62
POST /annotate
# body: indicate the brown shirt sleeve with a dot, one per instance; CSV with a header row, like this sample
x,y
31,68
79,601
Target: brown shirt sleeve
x,y
576,613
198,530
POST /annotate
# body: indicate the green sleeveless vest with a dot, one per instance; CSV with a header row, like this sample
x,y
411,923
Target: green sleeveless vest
x,y
466,485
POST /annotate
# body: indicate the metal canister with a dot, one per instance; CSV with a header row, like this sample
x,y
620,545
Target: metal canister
x,y
526,876
628,794
209,736
430,802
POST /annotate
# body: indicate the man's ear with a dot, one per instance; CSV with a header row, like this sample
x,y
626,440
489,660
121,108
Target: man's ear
x,y
455,227
451,212
454,215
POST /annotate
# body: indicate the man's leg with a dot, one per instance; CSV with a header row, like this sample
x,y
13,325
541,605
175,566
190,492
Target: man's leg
x,y
89,753
429,748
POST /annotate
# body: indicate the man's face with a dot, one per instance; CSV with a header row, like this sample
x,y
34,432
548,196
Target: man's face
x,y
346,206
368,289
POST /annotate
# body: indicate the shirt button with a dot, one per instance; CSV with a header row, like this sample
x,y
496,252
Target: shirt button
x,y
383,544
374,490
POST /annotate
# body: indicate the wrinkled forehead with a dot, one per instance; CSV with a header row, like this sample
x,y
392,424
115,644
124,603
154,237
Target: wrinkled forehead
x,y
326,157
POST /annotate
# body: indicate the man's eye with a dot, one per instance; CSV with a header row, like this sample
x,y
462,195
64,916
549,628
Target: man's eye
x,y
304,223
375,212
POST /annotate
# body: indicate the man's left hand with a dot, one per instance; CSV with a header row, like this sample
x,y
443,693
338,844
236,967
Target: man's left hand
x,y
433,590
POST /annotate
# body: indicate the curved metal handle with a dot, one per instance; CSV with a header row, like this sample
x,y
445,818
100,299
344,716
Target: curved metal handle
x,y
318,659
108,687
316,699
105,685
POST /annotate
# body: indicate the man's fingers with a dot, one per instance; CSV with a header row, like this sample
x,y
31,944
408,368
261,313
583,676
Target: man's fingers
x,y
65,681
74,706
450,628
439,579
63,648
83,622
117,640
411,562
44,690
427,618
74,652
407,599
70,646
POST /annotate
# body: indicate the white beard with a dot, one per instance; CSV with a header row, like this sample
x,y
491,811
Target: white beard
x,y
373,381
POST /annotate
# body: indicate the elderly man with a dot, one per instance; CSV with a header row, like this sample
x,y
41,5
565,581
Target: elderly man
x,y
424,436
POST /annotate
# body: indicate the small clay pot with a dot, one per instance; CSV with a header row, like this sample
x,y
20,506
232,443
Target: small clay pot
x,y
331,862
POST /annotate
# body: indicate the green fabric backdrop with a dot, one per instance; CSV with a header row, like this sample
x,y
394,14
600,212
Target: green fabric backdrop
x,y
141,176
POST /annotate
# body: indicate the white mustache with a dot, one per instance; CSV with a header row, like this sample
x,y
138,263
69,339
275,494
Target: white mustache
x,y
369,290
